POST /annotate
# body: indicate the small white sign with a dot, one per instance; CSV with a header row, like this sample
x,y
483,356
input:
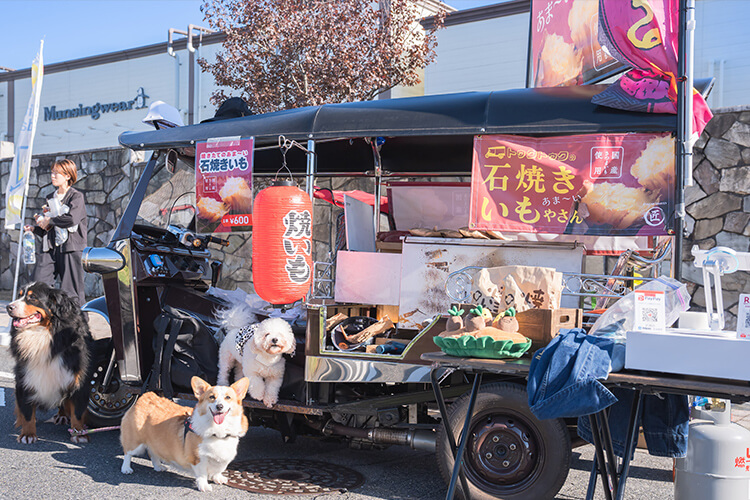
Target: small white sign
x,y
743,317
649,310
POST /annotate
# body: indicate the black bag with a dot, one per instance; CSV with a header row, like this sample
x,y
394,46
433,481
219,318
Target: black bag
x,y
183,348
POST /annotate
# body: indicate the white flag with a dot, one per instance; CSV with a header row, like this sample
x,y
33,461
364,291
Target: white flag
x,y
19,169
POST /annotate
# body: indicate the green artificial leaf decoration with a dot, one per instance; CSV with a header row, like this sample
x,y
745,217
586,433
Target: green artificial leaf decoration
x,y
455,311
477,311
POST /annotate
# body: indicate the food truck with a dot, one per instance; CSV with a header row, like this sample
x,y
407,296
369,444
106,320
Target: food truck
x,y
420,153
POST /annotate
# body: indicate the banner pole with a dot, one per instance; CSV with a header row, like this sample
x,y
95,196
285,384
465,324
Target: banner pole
x,y
684,152
20,232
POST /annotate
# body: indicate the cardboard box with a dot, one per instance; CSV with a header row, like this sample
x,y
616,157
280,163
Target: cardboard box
x,y
701,354
542,325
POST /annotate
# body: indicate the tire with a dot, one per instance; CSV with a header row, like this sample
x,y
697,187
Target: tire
x,y
107,405
510,454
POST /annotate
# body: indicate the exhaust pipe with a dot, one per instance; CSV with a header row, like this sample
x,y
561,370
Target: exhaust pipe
x,y
417,439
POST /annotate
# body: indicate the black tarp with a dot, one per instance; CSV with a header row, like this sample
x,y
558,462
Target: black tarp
x,y
422,134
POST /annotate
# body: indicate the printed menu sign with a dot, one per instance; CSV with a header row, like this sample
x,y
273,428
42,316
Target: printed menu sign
x,y
224,185
609,184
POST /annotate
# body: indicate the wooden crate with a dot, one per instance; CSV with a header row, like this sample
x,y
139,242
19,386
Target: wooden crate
x,y
542,325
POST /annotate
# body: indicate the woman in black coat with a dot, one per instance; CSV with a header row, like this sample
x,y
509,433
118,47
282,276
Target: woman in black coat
x,y
63,231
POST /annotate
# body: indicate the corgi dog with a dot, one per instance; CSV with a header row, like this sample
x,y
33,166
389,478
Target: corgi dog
x,y
202,439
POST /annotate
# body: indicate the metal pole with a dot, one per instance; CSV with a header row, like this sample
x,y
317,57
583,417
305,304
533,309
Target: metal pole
x,y
311,167
20,233
684,160
378,179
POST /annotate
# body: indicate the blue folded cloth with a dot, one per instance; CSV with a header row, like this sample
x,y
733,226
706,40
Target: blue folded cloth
x,y
564,376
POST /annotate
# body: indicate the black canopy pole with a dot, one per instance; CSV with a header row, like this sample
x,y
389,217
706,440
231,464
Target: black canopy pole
x,y
684,150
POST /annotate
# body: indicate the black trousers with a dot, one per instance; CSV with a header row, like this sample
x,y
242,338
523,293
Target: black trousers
x,y
67,267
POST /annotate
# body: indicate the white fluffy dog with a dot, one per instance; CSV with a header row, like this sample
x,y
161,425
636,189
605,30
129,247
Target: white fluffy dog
x,y
255,350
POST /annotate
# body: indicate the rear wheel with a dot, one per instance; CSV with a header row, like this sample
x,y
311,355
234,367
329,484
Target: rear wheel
x,y
107,404
510,453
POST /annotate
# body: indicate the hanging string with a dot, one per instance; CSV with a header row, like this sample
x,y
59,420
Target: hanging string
x,y
285,145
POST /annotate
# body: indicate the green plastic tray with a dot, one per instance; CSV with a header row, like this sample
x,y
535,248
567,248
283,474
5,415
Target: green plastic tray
x,y
467,346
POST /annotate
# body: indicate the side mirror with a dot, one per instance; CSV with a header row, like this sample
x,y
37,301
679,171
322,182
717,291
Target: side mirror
x,y
171,160
102,260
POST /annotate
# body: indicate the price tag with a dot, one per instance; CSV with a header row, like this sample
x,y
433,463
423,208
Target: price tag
x,y
743,317
237,220
649,311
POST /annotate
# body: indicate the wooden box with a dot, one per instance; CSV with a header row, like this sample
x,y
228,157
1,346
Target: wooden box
x,y
542,325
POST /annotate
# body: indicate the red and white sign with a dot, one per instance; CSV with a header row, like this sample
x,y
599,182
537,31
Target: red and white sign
x,y
649,311
224,185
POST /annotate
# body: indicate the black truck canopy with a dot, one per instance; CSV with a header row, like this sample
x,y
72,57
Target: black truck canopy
x,y
422,134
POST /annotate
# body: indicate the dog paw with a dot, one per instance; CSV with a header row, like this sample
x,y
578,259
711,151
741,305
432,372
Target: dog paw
x,y
203,485
269,401
27,438
220,479
79,439
158,467
126,469
61,420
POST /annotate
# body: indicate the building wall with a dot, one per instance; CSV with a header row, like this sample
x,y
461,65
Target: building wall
x,y
484,55
718,204
721,49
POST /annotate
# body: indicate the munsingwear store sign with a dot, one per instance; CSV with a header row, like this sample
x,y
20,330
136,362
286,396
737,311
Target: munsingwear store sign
x,y
96,110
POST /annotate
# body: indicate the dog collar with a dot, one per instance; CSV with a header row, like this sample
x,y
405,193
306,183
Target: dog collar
x,y
243,335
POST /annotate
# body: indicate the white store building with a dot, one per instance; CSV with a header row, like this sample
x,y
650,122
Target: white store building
x,y
86,103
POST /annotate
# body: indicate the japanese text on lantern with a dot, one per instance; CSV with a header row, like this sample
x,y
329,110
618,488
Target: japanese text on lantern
x,y
297,243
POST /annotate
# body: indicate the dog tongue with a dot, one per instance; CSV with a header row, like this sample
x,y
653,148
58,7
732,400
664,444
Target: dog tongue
x,y
219,418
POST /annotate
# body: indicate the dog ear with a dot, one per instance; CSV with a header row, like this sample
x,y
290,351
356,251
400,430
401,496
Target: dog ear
x,y
63,307
199,386
240,387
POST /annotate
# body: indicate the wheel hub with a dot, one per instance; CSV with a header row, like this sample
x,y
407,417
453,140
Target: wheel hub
x,y
503,450
110,400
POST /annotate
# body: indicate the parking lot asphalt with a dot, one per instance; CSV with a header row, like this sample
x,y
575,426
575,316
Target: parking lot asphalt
x,y
651,477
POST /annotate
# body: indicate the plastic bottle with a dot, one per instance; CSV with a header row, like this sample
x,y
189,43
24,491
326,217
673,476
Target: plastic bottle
x,y
29,248
391,348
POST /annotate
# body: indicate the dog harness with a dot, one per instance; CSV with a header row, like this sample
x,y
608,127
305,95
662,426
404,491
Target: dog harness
x,y
243,335
188,428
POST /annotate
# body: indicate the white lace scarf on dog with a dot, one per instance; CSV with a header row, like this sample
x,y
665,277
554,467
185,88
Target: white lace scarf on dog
x,y
245,334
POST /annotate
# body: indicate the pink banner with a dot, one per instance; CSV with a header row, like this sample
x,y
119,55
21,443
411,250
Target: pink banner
x,y
613,184
224,185
644,34
564,45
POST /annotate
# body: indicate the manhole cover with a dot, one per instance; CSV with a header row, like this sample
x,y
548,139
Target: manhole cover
x,y
292,477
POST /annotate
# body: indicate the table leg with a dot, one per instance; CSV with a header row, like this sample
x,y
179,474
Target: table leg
x,y
592,480
600,456
630,442
464,438
608,448
444,417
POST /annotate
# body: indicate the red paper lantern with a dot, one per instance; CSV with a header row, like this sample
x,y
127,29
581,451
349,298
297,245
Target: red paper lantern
x,y
282,243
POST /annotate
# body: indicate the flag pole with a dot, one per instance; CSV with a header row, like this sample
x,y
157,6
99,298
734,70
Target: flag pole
x,y
20,233
23,159
684,161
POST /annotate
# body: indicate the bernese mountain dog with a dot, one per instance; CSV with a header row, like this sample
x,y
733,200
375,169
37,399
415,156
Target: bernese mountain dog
x,y
51,344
